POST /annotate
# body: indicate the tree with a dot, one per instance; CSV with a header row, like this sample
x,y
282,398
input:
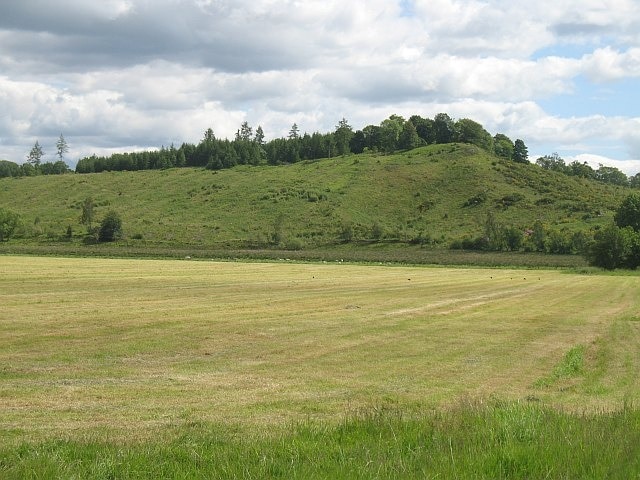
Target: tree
x,y
424,128
294,133
35,155
409,138
611,175
359,142
444,128
553,162
61,147
582,170
259,137
390,130
9,221
246,132
520,152
611,247
472,132
110,227
494,233
343,135
628,213
503,146
87,213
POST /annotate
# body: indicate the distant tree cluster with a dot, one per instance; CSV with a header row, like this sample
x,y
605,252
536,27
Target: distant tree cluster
x,y
500,237
34,165
250,148
618,244
610,175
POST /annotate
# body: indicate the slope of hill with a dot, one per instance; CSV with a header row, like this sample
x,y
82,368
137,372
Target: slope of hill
x,y
436,194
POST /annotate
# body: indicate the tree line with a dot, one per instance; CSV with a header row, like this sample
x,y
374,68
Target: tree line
x,y
604,174
34,165
250,148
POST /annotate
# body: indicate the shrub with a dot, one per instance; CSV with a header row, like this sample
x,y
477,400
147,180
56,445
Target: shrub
x,y
9,221
377,231
614,247
110,227
476,200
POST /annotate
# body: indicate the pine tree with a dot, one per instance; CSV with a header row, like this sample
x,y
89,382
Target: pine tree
x,y
35,155
62,147
520,152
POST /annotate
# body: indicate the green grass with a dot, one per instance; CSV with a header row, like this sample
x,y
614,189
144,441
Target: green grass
x,y
496,441
115,368
420,193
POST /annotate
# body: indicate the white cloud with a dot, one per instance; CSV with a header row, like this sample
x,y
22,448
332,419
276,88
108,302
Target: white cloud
x,y
139,73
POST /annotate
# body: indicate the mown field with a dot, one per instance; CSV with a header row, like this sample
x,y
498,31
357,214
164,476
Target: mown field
x,y
197,369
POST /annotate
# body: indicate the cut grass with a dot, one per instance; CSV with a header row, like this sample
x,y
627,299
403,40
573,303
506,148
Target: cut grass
x,y
130,346
135,368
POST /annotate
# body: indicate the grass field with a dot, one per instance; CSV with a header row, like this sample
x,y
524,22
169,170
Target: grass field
x,y
134,361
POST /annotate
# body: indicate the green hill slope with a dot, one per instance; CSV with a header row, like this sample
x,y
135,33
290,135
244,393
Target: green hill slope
x,y
439,193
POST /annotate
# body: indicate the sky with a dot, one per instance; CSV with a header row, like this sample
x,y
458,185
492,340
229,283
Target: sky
x,y
125,75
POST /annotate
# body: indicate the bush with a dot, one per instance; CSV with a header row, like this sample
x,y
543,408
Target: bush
x,y
614,247
377,231
628,213
110,227
9,221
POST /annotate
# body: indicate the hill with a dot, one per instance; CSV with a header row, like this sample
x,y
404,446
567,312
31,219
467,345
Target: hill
x,y
433,195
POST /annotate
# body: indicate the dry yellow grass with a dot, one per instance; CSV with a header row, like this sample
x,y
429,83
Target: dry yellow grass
x,y
127,347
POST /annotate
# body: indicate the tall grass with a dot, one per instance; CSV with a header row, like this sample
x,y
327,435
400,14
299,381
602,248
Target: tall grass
x,y
497,441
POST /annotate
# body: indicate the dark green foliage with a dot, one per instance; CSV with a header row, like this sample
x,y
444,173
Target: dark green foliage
x,y
409,138
510,199
10,169
582,170
110,227
35,155
56,168
444,128
618,245
513,238
558,242
520,152
424,129
477,199
9,221
553,162
628,213
503,146
343,135
469,131
614,247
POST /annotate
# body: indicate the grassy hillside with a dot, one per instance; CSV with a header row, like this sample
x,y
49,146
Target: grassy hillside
x,y
438,193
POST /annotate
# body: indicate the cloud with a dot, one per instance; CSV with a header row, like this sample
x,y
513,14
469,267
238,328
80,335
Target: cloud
x,y
137,73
